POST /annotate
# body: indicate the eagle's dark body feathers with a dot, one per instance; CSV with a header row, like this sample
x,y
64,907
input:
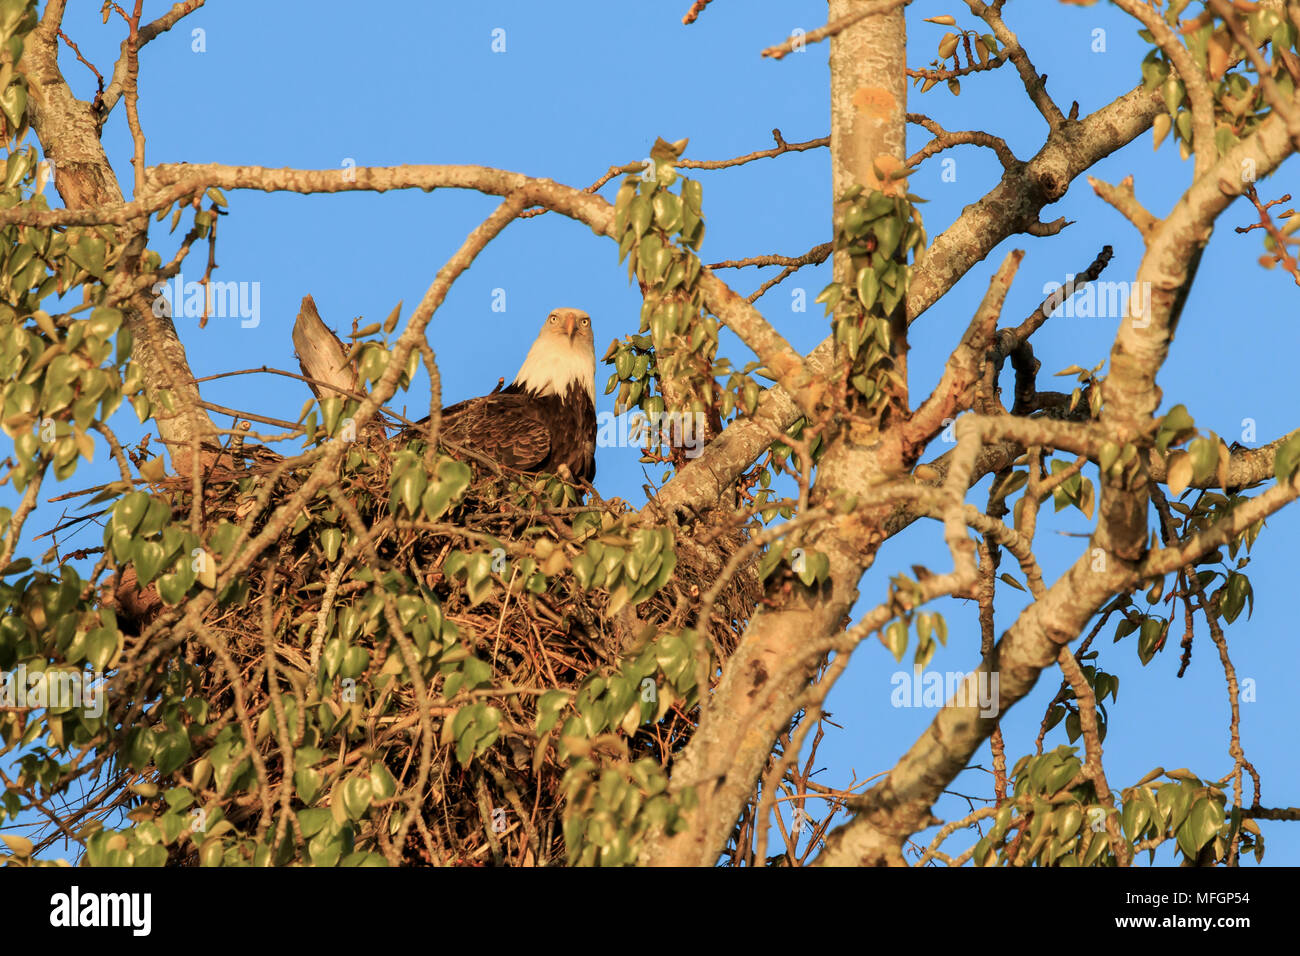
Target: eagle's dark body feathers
x,y
527,431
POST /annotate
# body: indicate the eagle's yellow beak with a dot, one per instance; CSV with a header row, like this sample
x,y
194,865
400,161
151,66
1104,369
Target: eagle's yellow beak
x,y
570,325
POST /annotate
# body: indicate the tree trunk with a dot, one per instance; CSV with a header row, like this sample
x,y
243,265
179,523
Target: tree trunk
x,y
69,135
760,690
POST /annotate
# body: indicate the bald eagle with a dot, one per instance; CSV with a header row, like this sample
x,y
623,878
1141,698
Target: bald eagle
x,y
544,420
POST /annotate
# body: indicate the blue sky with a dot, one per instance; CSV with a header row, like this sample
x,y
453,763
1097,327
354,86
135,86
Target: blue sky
x,y
584,85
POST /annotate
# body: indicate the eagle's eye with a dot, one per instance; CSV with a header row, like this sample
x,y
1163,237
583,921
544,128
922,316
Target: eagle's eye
x,y
554,317
585,321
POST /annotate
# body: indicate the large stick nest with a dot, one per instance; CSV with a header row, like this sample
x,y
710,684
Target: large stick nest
x,y
506,586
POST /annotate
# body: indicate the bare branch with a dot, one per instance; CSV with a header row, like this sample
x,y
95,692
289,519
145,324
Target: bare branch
x,y
954,392
696,9
800,40
150,30
813,256
943,139
741,317
1281,255
1142,342
779,149
1126,202
1035,85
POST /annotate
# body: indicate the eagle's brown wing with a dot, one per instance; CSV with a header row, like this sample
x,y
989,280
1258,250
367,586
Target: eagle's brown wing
x,y
506,427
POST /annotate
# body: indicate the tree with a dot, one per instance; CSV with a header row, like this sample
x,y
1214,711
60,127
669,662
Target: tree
x,y
335,655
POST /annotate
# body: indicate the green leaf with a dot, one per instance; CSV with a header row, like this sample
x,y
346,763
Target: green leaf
x,y
693,195
355,662
640,213
1174,427
667,211
100,646
1202,825
475,729
332,655
549,707
1062,775
1174,800
382,784
130,511
1066,820
895,638
1107,455
771,558
887,231
868,287
149,557
356,795
1287,459
171,749
408,487
14,103
1152,629
173,587
331,539
307,783
1235,594
1205,456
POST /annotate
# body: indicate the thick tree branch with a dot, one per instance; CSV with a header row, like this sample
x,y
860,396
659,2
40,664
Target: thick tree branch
x,y
955,391
1142,342
741,317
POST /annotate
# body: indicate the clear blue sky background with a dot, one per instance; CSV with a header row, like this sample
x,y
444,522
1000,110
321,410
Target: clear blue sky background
x,y
583,85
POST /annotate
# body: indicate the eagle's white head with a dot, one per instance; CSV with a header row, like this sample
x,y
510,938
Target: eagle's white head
x,y
563,355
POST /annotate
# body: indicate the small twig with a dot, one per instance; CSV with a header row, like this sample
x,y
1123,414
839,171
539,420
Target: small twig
x,y
800,40
943,139
696,9
1281,256
779,149
932,76
130,89
629,168
206,281
1035,84
164,23
1035,319
237,413
99,94
815,255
